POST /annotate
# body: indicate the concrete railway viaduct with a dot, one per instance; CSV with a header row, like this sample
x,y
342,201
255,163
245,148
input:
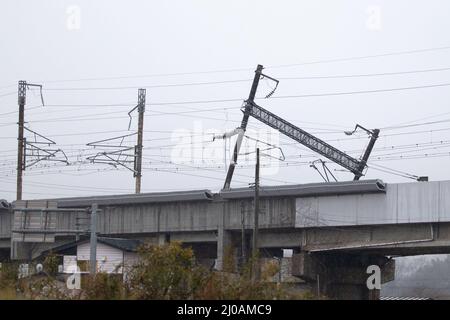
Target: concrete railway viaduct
x,y
336,230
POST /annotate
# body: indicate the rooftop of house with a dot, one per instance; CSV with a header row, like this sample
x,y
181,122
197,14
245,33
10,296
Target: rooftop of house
x,y
129,245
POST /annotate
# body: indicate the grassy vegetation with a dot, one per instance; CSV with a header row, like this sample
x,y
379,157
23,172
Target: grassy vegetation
x,y
8,293
163,272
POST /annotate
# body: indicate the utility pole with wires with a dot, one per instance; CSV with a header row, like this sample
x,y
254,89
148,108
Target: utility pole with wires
x,y
138,150
124,155
255,249
22,92
243,241
22,97
93,240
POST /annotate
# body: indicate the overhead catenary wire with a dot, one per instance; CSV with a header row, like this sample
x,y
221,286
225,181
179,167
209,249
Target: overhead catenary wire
x,y
7,94
416,156
14,112
420,119
392,149
274,97
362,57
320,94
391,169
387,128
247,69
287,143
200,168
231,70
170,85
341,93
153,113
362,75
389,172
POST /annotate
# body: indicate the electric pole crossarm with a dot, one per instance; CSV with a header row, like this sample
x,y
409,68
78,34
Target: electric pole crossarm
x,y
306,139
100,142
120,157
46,141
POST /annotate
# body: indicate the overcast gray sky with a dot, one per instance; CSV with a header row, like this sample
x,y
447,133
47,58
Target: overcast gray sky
x,y
109,49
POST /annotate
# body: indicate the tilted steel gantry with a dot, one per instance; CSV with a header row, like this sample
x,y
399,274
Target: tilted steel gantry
x,y
250,108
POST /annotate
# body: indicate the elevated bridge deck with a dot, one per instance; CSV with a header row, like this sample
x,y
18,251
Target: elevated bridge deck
x,y
360,218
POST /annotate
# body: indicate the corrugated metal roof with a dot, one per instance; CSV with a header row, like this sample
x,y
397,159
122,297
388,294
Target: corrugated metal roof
x,y
309,190
122,244
129,245
125,199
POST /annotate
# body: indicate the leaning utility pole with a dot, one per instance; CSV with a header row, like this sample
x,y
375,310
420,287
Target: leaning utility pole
x,y
315,144
373,138
255,251
138,151
248,105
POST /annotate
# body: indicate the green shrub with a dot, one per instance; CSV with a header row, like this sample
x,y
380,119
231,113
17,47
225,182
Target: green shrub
x,y
51,263
103,286
165,272
9,274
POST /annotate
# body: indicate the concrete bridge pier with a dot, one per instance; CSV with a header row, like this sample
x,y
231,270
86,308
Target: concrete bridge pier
x,y
228,251
343,276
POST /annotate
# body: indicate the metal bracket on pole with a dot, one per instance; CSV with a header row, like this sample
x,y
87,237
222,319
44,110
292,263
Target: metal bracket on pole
x,y
32,150
22,142
325,169
120,157
40,90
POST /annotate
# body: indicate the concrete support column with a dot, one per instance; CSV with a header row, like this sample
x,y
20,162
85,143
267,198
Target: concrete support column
x,y
224,245
342,276
163,238
21,251
226,248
